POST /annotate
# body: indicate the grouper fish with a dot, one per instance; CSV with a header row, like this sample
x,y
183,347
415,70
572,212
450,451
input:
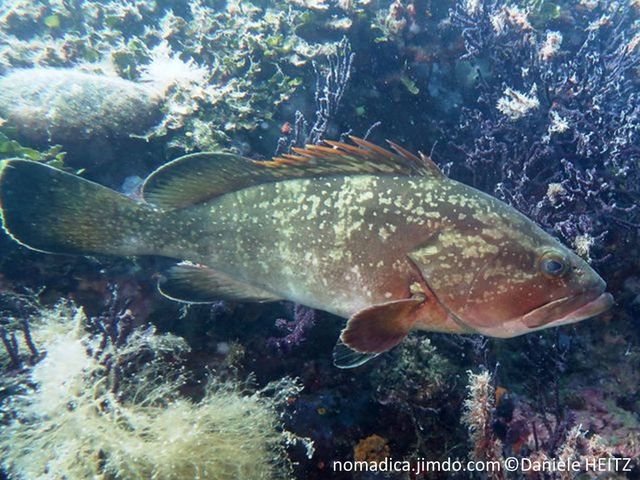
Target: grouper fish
x,y
380,237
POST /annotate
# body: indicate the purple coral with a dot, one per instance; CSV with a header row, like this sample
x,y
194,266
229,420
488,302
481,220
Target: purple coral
x,y
295,330
15,310
556,126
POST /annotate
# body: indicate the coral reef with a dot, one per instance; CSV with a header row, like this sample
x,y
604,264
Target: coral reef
x,y
221,71
331,83
484,412
108,404
414,376
478,417
15,334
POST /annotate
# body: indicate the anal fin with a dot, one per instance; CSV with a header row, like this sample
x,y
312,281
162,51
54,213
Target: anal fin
x,y
191,283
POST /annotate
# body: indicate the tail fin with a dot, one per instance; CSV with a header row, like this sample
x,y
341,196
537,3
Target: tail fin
x,y
52,211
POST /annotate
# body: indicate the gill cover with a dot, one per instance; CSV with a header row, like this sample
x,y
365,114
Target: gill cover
x,y
452,263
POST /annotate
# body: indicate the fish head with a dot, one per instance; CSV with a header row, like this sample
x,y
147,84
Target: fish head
x,y
521,292
501,275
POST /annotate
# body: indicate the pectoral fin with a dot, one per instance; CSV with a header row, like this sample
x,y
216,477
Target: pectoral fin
x,y
191,283
377,329
345,357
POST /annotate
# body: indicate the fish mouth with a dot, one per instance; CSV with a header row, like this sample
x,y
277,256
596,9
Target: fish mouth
x,y
601,303
568,310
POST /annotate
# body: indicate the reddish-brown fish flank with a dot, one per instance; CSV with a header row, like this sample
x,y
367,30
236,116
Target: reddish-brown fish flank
x,y
377,236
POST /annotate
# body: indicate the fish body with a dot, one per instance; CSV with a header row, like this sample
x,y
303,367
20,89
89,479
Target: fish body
x,y
333,243
381,238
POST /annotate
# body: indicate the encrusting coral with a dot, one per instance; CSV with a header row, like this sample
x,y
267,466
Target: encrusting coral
x,y
373,448
415,375
107,405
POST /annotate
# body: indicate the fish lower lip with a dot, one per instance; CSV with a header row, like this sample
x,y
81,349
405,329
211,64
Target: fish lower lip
x,y
592,308
595,303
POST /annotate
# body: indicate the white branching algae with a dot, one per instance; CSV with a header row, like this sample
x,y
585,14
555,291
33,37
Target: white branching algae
x,y
94,409
551,46
516,104
477,416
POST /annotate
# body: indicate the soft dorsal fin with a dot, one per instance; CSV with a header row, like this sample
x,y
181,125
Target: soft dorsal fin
x,y
199,177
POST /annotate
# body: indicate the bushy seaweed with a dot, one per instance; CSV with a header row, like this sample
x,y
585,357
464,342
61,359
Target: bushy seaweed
x,y
108,405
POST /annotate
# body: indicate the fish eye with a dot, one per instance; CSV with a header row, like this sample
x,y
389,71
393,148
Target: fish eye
x,y
552,265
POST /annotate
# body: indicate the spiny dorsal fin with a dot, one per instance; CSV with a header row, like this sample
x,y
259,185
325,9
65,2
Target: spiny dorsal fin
x,y
363,157
425,160
199,177
191,283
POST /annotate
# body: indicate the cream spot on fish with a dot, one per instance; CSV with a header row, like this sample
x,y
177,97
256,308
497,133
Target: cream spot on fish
x,y
428,250
384,234
493,233
388,294
398,266
314,200
336,254
310,258
368,195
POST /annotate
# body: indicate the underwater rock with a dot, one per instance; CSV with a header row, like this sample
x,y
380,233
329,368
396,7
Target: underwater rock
x,y
69,107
